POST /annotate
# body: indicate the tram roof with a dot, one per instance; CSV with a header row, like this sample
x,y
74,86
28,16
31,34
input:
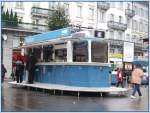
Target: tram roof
x,y
58,36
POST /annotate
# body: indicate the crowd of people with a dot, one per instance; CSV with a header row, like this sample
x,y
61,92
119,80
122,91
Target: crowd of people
x,y
136,78
19,67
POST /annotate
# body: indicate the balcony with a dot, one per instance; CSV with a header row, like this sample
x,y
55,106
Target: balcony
x,y
117,25
130,13
40,12
103,5
26,27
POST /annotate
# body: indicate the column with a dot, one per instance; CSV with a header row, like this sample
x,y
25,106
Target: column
x,y
69,51
108,52
26,72
89,51
53,55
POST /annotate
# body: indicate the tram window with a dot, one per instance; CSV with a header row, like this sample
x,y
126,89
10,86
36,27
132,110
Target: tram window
x,y
61,55
99,52
47,53
80,51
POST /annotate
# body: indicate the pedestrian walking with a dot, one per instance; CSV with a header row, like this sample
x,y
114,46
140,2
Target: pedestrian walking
x,y
119,77
3,72
19,69
30,66
137,75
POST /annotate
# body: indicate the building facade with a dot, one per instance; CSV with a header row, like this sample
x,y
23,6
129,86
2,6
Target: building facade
x,y
120,21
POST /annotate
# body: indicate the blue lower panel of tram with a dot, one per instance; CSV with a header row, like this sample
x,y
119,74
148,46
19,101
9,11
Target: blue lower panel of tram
x,y
83,76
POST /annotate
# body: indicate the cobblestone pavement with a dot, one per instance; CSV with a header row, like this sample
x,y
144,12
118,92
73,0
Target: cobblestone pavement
x,y
18,99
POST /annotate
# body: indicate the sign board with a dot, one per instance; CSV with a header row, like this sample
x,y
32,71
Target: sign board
x,y
128,52
116,55
99,34
48,36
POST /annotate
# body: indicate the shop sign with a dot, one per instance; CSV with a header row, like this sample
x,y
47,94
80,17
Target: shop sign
x,y
116,55
128,52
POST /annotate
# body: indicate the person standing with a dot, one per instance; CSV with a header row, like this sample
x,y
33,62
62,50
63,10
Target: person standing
x,y
3,72
119,77
30,66
136,80
19,69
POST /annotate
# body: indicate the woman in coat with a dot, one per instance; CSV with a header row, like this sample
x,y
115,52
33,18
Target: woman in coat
x,y
136,80
119,77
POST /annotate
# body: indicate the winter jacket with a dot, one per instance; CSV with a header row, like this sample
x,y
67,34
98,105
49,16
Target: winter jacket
x,y
3,70
119,76
137,76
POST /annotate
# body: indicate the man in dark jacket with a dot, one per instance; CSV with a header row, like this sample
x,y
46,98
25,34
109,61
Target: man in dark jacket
x,y
3,72
19,69
30,66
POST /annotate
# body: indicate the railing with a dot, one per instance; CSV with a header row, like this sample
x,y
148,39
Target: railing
x,y
130,13
25,27
117,25
35,11
103,5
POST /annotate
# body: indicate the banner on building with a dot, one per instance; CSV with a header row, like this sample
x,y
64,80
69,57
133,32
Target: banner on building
x,y
128,52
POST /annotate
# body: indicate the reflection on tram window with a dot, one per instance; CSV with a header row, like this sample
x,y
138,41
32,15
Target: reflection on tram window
x,y
47,53
80,51
37,53
99,52
61,55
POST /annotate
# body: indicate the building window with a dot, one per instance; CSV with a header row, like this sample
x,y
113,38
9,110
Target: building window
x,y
79,11
141,26
51,5
120,19
128,6
120,5
111,34
141,12
36,4
127,37
146,27
66,6
111,17
112,4
20,19
135,25
16,41
146,14
91,13
135,9
102,16
128,23
36,21
19,5
120,36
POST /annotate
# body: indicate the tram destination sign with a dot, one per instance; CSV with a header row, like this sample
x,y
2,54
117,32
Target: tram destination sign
x,y
48,36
